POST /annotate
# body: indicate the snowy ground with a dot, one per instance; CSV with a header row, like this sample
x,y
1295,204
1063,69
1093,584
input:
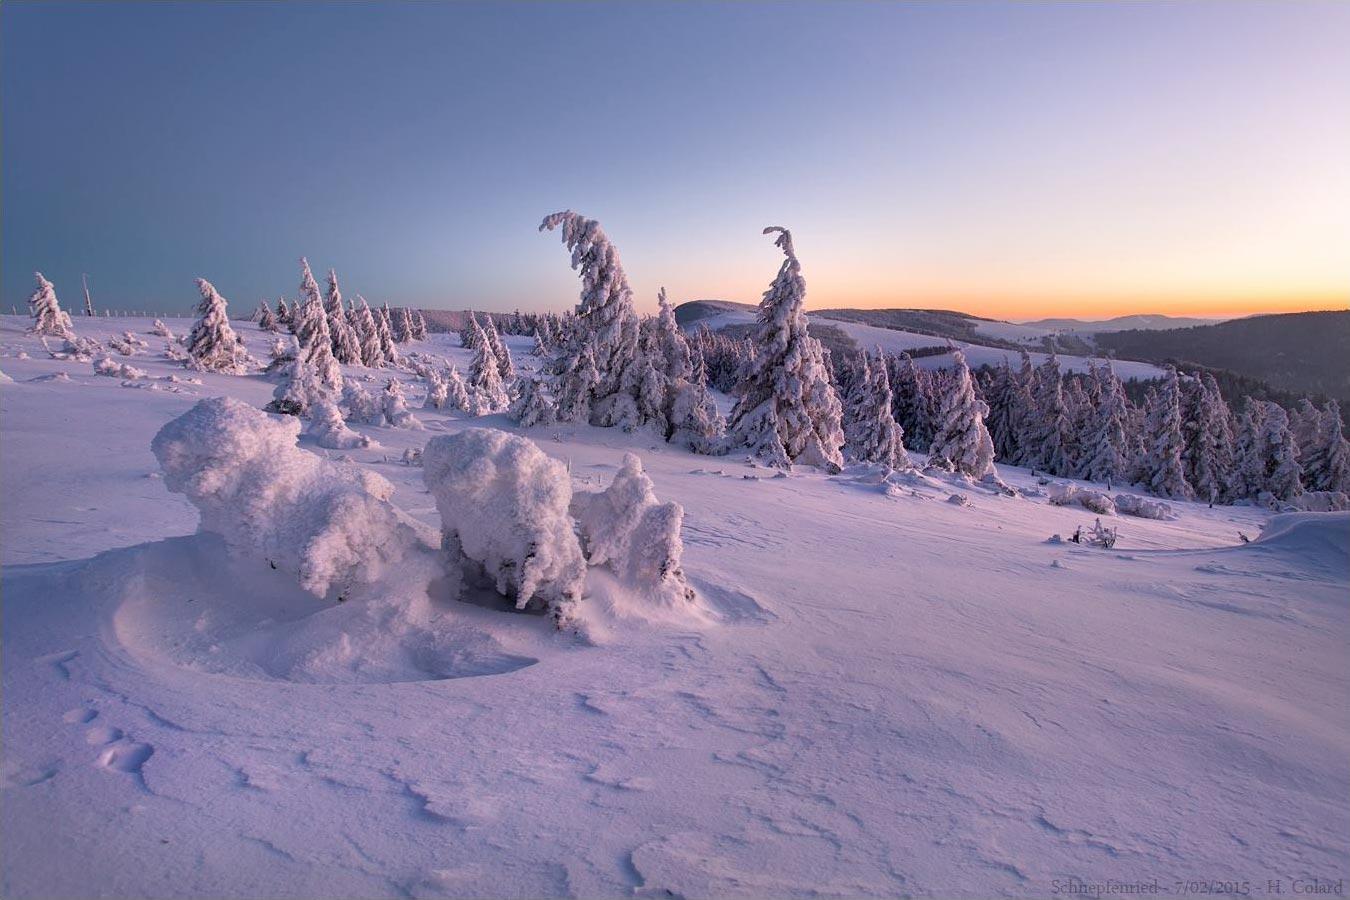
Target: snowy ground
x,y
897,694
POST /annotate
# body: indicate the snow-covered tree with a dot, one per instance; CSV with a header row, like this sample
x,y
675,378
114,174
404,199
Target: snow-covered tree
x,y
311,330
402,325
873,434
361,406
346,345
786,410
506,368
1283,473
961,442
284,315
368,335
456,391
485,380
1105,449
1009,401
388,346
1208,436
49,319
1249,471
1326,455
468,335
1048,436
264,317
669,342
532,405
503,505
159,329
911,404
695,420
605,330
329,431
395,406
298,392
1162,464
436,389
625,528
540,348
419,325
213,345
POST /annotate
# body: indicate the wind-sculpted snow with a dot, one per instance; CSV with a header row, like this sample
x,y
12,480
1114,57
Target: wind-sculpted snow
x,y
503,504
330,525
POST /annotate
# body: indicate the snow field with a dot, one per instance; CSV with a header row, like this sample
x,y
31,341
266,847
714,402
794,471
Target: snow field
x,y
889,694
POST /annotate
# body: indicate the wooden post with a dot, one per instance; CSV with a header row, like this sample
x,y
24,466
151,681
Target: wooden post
x,y
88,304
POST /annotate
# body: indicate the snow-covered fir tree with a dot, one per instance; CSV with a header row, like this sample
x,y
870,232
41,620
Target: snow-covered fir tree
x,y
395,407
506,368
1326,456
961,442
264,317
419,325
695,420
330,431
298,392
1008,401
402,325
1047,439
1163,465
1283,474
456,391
1248,479
873,434
361,405
384,324
469,333
1208,436
311,330
284,317
49,319
487,394
346,345
368,335
605,330
910,405
213,346
1105,449
532,405
436,389
540,348
786,409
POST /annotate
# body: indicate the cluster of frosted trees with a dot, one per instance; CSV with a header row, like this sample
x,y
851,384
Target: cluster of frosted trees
x,y
355,333
1183,441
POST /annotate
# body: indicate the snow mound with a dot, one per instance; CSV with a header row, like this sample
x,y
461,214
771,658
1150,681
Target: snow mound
x,y
330,525
504,505
1144,508
626,528
1093,501
1321,538
189,603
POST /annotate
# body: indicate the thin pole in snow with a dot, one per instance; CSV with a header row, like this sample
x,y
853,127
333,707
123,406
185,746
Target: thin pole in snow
x,y
88,304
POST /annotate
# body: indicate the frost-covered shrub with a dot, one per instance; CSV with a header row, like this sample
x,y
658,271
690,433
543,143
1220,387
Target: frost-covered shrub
x,y
361,406
299,392
532,405
159,329
329,431
626,528
395,407
79,349
106,365
1144,508
329,524
1062,494
504,505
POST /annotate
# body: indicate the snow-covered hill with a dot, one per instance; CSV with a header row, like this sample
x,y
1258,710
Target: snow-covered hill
x,y
903,687
870,337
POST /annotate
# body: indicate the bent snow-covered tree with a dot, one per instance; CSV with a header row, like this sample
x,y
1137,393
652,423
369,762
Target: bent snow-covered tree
x,y
213,346
604,337
48,316
311,329
786,409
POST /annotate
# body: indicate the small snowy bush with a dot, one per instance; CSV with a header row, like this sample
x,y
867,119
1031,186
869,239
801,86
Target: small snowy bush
x,y
106,365
504,505
626,528
329,431
330,525
1324,501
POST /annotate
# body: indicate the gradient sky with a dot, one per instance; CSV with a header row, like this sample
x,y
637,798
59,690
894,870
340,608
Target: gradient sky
x,y
1011,160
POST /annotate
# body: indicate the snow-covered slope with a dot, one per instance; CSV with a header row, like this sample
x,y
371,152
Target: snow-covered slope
x,y
892,694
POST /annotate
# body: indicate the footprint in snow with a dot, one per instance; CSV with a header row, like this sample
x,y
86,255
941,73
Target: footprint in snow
x,y
129,757
80,716
102,734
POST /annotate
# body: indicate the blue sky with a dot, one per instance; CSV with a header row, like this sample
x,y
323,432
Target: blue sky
x,y
1008,159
